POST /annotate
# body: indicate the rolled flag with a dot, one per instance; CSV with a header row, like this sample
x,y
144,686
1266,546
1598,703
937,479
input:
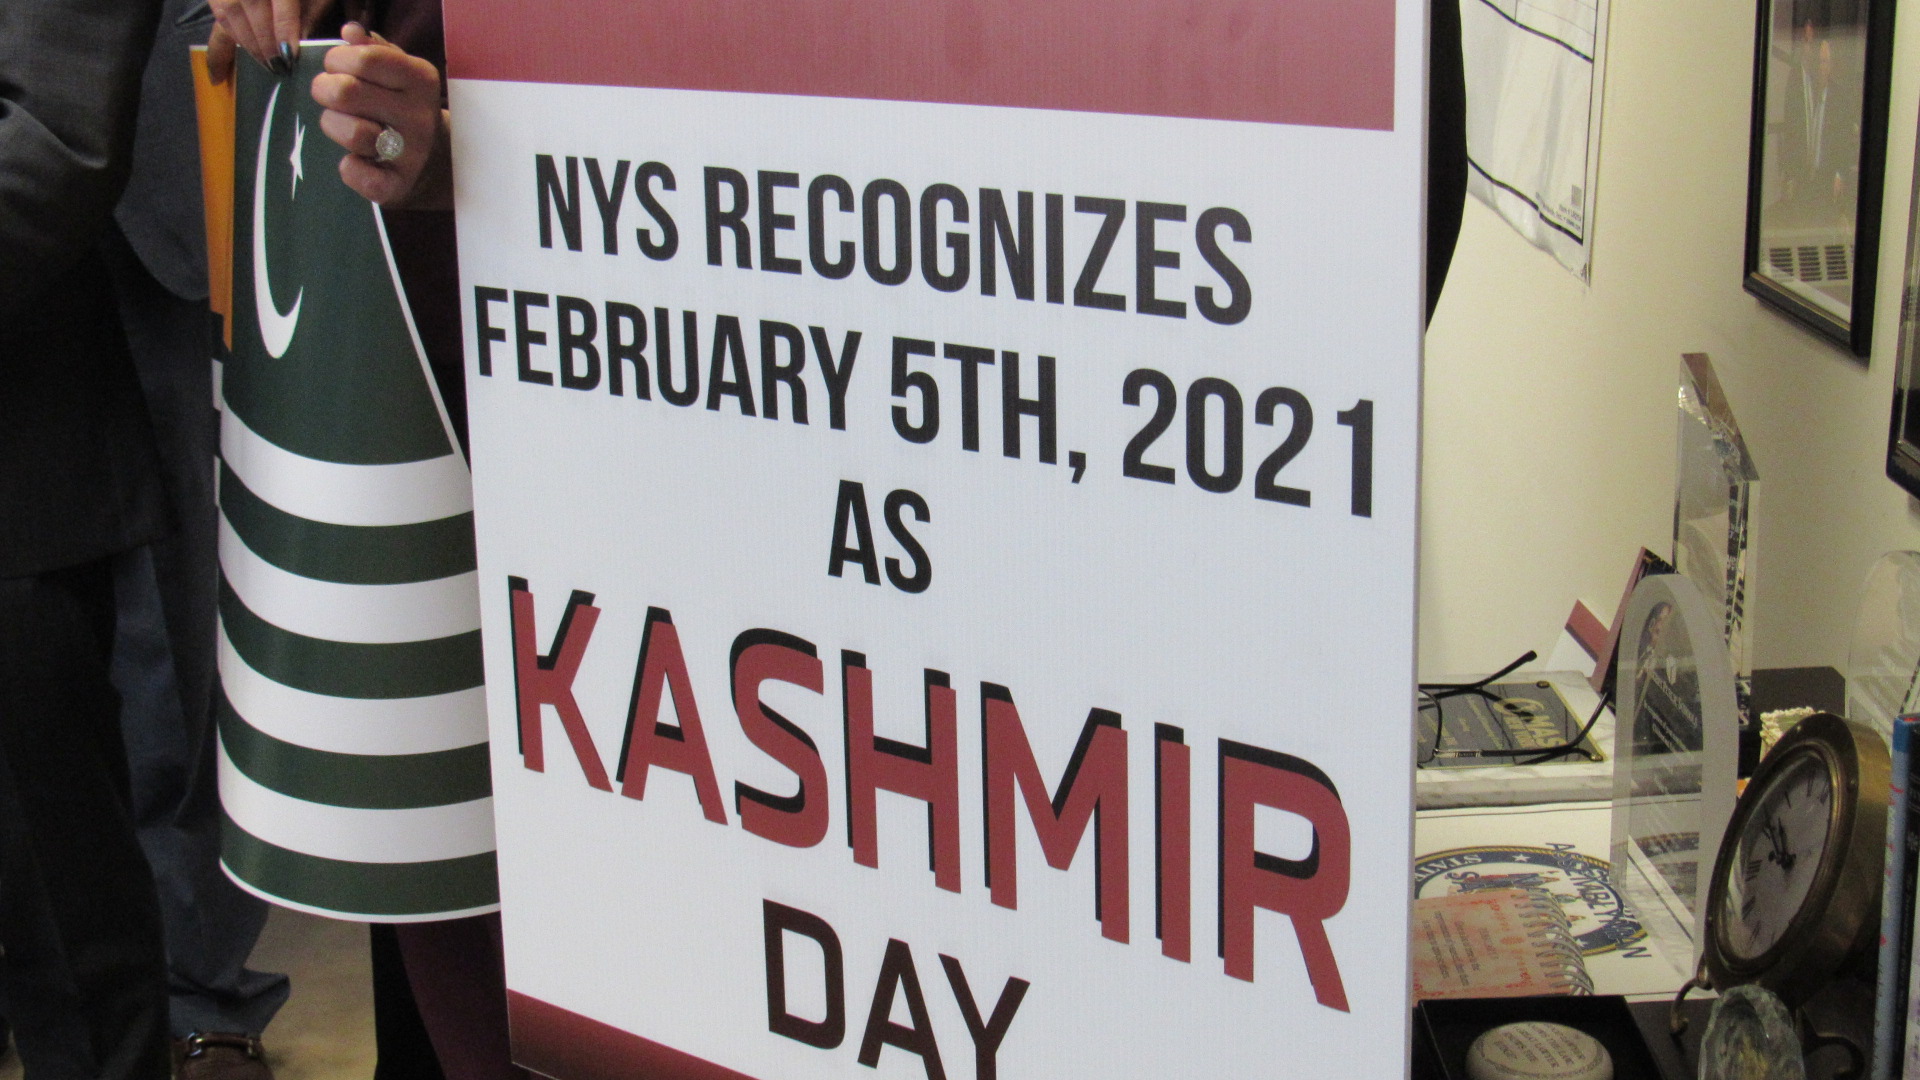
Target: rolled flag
x,y
353,754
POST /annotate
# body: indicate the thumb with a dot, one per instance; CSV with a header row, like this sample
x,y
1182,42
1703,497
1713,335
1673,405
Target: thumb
x,y
220,50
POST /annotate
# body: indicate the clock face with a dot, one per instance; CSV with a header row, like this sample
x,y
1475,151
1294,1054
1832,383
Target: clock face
x,y
1780,851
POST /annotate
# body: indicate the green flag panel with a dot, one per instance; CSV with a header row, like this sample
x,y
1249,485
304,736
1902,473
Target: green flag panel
x,y
326,368
347,554
377,892
350,668
363,781
324,362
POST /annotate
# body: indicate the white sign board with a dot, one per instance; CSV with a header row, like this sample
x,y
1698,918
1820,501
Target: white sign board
x,y
946,531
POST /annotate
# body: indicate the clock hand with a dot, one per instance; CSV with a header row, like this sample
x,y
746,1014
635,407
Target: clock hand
x,y
1773,845
1777,838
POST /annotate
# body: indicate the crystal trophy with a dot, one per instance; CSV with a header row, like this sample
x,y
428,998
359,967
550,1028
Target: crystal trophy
x,y
1883,664
1712,496
1751,1036
1675,745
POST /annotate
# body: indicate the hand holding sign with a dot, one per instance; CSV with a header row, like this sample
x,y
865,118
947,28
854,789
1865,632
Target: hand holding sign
x,y
371,86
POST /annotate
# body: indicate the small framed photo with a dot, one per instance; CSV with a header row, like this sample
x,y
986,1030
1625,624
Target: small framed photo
x,y
1820,75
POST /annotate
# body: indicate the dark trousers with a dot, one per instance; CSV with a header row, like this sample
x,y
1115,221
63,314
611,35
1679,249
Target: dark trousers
x,y
82,976
440,1001
164,664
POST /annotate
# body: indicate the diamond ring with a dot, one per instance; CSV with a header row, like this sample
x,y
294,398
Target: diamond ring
x,y
388,145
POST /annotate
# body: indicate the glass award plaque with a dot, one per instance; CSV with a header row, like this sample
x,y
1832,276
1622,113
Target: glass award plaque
x,y
1883,664
1675,744
1712,495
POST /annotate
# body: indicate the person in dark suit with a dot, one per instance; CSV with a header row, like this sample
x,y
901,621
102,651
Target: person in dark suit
x,y
82,976
164,657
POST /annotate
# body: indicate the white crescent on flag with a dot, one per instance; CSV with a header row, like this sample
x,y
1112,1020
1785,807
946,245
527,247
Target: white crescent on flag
x,y
276,328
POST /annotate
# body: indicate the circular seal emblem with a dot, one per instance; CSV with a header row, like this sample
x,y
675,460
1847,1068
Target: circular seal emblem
x,y
1581,884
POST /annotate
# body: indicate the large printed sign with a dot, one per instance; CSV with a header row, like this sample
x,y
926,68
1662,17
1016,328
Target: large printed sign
x,y
945,484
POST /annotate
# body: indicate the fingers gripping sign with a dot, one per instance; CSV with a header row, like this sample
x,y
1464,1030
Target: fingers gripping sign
x,y
383,106
269,30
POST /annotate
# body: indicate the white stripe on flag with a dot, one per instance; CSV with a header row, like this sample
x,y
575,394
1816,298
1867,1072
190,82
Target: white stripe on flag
x,y
367,614
427,834
420,725
334,913
403,494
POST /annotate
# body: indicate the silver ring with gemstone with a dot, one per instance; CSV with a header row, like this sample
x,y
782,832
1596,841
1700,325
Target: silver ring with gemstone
x,y
388,145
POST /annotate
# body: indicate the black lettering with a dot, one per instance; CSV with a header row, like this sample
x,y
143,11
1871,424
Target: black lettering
x,y
850,512
1166,402
1147,258
732,380
919,381
922,575
546,181
689,351
1113,212
627,348
998,231
772,224
817,227
1232,435
733,218
779,920
1239,294
988,1034
578,340
484,332
773,373
607,197
897,973
892,191
837,375
525,338
669,242
1056,249
957,242
971,358
1013,407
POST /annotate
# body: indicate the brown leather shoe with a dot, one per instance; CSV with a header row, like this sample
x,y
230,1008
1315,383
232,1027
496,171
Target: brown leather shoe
x,y
219,1055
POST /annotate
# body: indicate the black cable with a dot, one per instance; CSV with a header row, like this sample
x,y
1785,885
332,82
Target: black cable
x,y
1551,752
1435,692
1439,718
1547,753
1439,690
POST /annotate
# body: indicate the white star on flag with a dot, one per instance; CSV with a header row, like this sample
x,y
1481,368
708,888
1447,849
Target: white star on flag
x,y
299,143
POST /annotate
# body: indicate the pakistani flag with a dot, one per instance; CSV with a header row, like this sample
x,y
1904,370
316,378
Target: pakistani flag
x,y
353,739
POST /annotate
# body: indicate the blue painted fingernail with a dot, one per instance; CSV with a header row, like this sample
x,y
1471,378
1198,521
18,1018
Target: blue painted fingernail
x,y
279,65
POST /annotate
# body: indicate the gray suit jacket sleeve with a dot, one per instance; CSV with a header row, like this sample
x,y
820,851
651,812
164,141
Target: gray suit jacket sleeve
x,y
69,83
160,214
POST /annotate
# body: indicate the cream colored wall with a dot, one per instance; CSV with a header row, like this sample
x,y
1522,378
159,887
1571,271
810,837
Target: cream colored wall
x,y
1549,442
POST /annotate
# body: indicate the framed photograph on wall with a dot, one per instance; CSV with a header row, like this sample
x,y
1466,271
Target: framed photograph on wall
x,y
1820,75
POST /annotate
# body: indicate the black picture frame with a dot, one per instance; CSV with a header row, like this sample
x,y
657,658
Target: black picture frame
x,y
1817,162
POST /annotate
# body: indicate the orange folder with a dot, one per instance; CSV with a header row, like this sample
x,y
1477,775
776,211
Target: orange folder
x,y
214,104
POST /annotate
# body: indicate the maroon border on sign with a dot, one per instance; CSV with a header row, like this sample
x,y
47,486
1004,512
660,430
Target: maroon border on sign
x,y
1326,63
555,1042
